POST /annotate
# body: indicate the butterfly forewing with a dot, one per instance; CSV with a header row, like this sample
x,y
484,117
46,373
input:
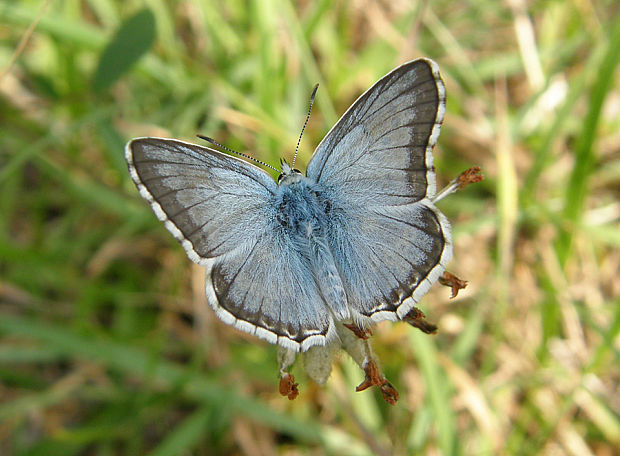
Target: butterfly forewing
x,y
221,210
382,146
376,167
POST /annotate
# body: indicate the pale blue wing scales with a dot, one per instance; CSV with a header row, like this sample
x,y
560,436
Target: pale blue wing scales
x,y
381,148
208,200
389,241
388,257
221,210
282,301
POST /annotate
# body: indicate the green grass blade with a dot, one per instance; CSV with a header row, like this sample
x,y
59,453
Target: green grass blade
x,y
132,41
134,361
185,436
585,155
439,394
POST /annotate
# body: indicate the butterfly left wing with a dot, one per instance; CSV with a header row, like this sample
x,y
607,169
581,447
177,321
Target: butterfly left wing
x,y
375,165
221,210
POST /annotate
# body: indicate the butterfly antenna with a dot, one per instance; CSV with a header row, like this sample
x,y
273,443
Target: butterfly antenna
x,y
316,87
228,149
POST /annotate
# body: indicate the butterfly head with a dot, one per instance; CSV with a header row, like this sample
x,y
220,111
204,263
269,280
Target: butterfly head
x,y
289,175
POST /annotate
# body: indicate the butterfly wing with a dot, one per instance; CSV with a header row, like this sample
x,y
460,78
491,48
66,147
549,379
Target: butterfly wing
x,y
221,210
376,167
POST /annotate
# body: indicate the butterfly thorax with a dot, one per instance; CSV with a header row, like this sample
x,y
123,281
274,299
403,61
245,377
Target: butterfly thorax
x,y
301,209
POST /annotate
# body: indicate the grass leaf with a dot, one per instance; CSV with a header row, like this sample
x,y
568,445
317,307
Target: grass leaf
x,y
132,41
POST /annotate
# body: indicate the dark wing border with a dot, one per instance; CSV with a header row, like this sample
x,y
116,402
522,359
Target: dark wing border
x,y
408,303
282,340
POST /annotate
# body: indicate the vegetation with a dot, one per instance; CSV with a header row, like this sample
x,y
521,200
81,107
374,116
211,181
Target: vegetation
x,y
107,346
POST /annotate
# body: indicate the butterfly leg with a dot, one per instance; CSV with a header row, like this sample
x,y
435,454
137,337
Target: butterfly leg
x,y
470,176
450,280
361,352
362,333
417,319
375,378
287,387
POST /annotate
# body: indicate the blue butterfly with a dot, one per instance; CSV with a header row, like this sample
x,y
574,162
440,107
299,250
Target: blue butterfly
x,y
356,240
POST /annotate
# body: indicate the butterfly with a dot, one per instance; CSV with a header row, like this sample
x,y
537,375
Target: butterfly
x,y
357,240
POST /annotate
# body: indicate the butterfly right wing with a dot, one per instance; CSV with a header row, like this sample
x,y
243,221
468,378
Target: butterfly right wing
x,y
375,166
221,210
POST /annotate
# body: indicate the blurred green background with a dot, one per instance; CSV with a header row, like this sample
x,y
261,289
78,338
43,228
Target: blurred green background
x,y
107,346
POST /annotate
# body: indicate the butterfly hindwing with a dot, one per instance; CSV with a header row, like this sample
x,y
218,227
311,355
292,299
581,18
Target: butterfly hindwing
x,y
221,210
388,256
376,167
